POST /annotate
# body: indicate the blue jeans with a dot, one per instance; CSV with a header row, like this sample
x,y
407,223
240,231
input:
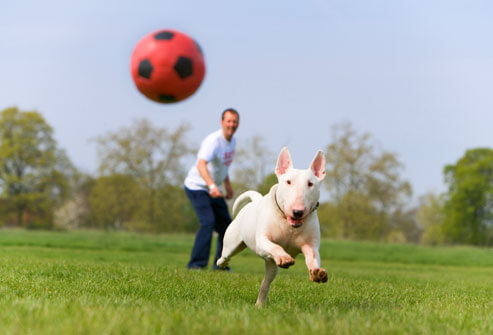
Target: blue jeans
x,y
213,215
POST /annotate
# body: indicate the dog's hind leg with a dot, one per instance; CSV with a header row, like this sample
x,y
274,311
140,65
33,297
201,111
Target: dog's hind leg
x,y
270,274
232,244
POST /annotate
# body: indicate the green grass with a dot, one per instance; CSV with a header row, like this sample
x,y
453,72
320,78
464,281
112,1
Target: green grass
x,y
121,283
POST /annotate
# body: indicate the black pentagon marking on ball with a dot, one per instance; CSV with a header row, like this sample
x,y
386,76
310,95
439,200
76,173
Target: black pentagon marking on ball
x,y
198,47
145,69
166,98
183,67
164,35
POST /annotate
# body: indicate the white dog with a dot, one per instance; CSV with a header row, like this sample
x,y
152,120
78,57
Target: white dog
x,y
281,224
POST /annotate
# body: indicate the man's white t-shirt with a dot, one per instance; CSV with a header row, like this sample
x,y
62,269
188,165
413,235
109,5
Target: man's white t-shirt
x,y
218,153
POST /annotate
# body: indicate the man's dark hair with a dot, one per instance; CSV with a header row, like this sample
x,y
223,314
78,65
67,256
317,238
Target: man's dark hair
x,y
232,111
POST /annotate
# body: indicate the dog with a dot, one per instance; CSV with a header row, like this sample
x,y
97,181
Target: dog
x,y
281,224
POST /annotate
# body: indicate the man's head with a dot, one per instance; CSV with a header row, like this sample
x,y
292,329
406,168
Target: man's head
x,y
230,121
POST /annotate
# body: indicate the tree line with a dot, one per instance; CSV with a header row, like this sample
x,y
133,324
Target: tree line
x,y
139,185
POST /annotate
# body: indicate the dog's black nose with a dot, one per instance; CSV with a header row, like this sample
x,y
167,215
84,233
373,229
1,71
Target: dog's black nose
x,y
297,214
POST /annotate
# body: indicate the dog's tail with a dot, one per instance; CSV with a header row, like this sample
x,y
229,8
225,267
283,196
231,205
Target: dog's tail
x,y
245,198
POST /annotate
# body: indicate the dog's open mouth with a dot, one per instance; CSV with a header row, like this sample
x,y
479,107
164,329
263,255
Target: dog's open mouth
x,y
295,223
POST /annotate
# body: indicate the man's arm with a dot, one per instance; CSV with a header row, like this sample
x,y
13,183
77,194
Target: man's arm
x,y
229,189
214,190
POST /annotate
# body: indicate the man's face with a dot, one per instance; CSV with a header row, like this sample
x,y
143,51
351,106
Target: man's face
x,y
229,124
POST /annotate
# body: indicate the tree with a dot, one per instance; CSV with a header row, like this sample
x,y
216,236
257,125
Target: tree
x,y
269,181
430,217
175,211
253,166
348,157
366,185
75,212
115,201
253,163
468,210
34,172
152,156
358,218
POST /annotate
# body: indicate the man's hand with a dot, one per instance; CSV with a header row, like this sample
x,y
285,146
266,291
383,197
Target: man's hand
x,y
215,192
229,192
229,189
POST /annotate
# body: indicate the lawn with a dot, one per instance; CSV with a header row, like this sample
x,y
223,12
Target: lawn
x,y
122,283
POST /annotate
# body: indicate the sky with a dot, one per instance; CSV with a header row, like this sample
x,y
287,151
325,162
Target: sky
x,y
416,74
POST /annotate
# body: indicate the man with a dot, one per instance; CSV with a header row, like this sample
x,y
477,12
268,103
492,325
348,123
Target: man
x,y
202,188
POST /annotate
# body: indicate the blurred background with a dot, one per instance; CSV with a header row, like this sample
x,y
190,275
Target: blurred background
x,y
397,94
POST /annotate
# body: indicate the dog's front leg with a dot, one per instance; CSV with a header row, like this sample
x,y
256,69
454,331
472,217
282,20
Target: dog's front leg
x,y
312,259
270,274
268,249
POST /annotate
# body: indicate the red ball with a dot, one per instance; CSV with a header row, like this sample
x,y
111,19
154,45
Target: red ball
x,y
167,66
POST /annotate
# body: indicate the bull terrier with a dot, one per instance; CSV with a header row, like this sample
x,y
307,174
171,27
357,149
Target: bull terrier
x,y
281,224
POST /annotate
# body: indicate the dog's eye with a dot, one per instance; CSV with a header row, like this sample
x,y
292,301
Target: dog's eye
x,y
288,181
310,184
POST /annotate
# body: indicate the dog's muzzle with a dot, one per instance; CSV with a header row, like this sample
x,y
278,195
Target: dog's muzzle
x,y
295,222
297,214
297,219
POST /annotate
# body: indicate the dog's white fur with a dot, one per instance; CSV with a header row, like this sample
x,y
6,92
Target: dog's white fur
x,y
281,224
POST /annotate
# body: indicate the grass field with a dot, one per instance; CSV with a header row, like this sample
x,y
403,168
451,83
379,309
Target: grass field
x,y
120,283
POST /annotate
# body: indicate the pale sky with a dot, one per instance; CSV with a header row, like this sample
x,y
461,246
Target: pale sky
x,y
417,75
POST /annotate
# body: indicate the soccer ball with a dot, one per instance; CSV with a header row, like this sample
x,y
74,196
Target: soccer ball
x,y
167,66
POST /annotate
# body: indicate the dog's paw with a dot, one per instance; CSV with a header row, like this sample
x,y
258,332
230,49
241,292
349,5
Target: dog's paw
x,y
318,275
222,263
284,261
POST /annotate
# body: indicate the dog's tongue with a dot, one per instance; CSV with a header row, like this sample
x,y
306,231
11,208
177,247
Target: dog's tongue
x,y
295,222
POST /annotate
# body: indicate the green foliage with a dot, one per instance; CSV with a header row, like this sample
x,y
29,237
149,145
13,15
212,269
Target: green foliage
x,y
115,201
152,160
269,181
75,212
468,211
353,217
368,195
119,202
253,162
253,167
33,171
121,283
152,155
174,212
430,218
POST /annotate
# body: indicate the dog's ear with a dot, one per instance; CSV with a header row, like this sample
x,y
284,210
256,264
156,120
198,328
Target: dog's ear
x,y
318,165
283,162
